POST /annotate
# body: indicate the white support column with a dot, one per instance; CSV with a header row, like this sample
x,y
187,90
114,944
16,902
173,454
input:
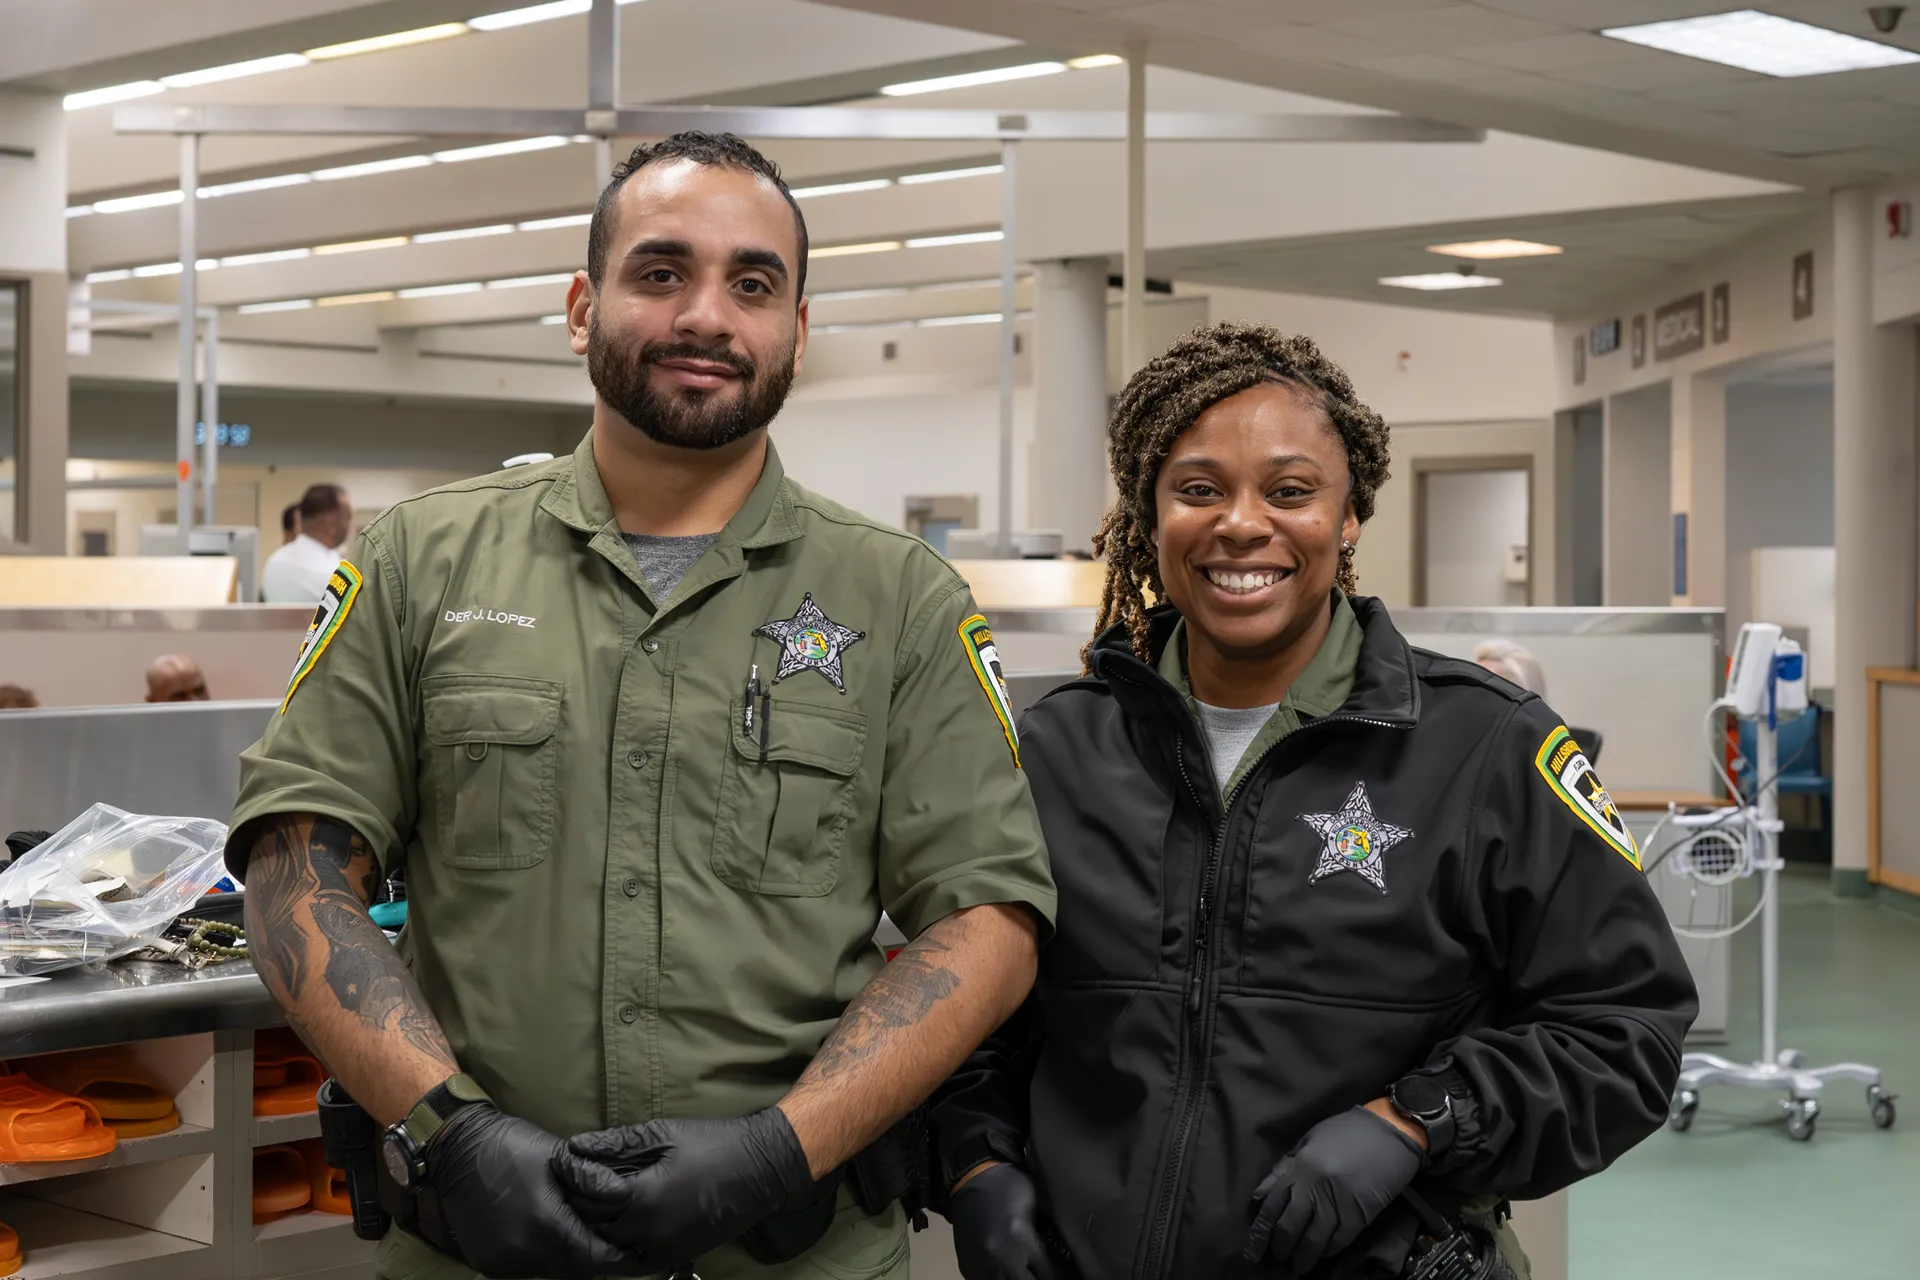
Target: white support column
x,y
1009,225
1069,483
1699,423
1134,296
187,393
1873,515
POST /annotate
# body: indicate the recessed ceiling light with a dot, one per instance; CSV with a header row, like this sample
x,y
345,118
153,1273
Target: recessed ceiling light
x,y
398,39
272,255
79,210
967,80
254,184
937,322
234,70
488,150
357,246
372,166
112,93
1487,250
520,282
262,308
559,319
848,250
532,13
965,237
1440,280
1763,42
126,204
1093,60
565,220
841,188
440,290
156,269
108,277
348,299
948,175
848,295
464,233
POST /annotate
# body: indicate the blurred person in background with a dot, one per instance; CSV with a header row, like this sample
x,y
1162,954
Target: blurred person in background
x,y
1512,662
289,523
14,698
174,677
297,573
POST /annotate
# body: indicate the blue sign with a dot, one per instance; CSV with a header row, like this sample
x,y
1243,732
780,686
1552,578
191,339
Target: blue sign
x,y
1679,553
226,435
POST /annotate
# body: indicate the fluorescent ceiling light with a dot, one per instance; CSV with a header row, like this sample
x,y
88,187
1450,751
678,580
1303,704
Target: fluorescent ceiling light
x,y
859,326
948,175
848,250
156,269
945,286
206,264
532,13
520,282
565,220
1487,250
935,322
966,237
349,299
967,80
1440,280
108,277
560,319
272,255
464,233
1765,43
373,44
841,188
372,166
848,295
126,204
235,70
1093,60
491,149
254,184
439,290
79,210
112,93
357,246
261,308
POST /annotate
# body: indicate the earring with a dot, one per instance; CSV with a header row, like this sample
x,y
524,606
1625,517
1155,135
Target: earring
x,y
1346,548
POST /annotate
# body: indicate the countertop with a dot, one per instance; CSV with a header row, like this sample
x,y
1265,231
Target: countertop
x,y
126,1000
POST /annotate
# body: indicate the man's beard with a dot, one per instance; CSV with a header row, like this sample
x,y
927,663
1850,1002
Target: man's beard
x,y
684,418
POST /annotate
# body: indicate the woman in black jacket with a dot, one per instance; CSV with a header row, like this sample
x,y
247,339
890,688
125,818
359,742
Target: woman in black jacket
x,y
1339,918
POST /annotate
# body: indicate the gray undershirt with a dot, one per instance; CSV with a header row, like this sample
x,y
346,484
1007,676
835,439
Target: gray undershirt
x,y
664,560
1230,731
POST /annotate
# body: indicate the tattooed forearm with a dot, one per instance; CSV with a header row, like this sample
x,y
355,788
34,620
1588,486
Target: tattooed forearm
x,y
910,1028
331,969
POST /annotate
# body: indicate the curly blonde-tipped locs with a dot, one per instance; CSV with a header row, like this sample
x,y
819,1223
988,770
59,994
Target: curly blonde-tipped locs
x,y
1164,398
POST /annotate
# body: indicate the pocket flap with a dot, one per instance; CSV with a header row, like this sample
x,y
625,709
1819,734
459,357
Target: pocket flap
x,y
821,737
510,710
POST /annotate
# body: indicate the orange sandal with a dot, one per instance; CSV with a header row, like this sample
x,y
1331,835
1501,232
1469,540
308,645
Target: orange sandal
x,y
329,1184
286,1077
11,1258
41,1124
279,1183
112,1079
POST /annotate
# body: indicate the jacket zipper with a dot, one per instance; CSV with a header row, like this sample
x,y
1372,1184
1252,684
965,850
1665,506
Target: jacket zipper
x,y
1198,981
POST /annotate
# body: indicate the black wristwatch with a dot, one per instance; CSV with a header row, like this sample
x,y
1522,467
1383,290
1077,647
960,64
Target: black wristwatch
x,y
404,1145
1426,1102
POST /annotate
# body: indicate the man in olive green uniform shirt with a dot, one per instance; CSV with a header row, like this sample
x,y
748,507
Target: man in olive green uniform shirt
x,y
647,834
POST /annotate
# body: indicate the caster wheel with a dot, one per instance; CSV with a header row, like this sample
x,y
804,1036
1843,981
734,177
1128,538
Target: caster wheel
x,y
1680,1114
1880,1102
1800,1120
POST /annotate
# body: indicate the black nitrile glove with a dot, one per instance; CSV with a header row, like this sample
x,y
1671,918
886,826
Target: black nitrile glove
x,y
1322,1195
509,1217
677,1189
996,1228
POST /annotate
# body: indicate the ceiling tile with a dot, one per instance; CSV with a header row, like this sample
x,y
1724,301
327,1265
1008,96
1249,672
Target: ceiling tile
x,y
1587,14
1311,43
1550,53
1438,30
1188,18
1440,70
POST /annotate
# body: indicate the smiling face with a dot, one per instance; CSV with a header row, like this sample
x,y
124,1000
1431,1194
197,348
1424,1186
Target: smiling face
x,y
695,334
1252,504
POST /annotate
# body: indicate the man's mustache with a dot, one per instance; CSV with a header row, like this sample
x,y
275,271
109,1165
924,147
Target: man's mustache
x,y
658,352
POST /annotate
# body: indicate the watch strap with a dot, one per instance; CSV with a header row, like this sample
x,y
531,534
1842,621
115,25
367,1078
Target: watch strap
x,y
430,1115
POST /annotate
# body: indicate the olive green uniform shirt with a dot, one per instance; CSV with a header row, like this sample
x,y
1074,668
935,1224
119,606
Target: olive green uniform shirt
x,y
626,899
1317,691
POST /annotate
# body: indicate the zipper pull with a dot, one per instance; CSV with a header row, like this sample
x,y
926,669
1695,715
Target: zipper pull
x,y
1198,979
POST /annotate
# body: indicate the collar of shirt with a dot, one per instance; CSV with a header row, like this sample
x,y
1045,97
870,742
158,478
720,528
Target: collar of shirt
x,y
766,519
310,548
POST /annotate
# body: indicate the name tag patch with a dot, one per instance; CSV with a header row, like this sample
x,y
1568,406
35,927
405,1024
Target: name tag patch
x,y
984,657
498,616
343,588
1566,768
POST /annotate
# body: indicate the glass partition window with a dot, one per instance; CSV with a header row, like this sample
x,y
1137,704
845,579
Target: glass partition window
x,y
12,383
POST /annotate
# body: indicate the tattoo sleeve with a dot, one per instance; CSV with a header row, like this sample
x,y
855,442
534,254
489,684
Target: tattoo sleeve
x,y
342,985
909,1028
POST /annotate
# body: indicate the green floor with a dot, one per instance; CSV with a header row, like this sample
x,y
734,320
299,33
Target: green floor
x,y
1735,1198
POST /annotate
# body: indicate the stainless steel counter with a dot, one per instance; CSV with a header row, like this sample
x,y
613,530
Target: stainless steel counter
x,y
131,1000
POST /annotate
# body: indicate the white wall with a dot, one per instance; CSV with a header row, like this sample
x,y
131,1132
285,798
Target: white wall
x,y
1472,519
1639,534
33,193
1779,479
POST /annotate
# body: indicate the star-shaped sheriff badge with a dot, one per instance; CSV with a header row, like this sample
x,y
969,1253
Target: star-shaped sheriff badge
x,y
811,641
1355,839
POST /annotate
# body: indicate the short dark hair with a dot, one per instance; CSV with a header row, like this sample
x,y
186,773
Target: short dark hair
x,y
321,501
287,517
702,148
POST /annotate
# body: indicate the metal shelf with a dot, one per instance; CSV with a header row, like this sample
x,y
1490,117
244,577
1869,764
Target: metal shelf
x,y
187,1140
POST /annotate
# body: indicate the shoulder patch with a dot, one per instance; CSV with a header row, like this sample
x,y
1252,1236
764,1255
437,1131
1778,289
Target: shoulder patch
x,y
1565,767
343,588
984,657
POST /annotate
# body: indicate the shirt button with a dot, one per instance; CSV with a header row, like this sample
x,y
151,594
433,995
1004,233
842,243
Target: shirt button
x,y
629,1013
631,887
651,646
638,759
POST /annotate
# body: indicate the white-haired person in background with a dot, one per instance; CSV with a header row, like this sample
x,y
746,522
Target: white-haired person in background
x,y
1513,662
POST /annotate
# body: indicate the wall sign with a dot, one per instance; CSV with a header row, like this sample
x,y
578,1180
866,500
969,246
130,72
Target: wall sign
x,y
1639,340
226,435
1680,327
1720,313
1803,285
1580,362
1605,337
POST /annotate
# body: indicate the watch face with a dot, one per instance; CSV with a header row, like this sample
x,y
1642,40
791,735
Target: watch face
x,y
1420,1096
393,1149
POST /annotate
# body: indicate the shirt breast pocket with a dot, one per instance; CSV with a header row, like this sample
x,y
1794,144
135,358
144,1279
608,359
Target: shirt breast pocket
x,y
781,824
494,747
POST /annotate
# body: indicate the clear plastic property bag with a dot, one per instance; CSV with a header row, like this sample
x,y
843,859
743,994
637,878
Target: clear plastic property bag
x,y
103,885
